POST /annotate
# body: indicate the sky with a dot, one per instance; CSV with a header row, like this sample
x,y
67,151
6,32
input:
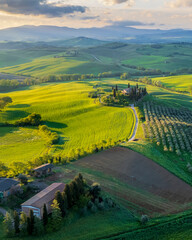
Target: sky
x,y
163,14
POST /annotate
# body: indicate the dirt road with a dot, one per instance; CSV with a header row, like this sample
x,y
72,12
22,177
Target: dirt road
x,y
136,123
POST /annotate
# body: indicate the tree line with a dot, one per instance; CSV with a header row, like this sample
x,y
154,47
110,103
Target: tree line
x,y
6,84
16,168
51,137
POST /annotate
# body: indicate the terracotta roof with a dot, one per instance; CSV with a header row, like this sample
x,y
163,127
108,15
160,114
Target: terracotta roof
x,y
43,167
7,183
45,196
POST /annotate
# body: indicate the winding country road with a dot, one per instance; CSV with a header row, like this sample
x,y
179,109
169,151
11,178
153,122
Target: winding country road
x,y
96,58
136,123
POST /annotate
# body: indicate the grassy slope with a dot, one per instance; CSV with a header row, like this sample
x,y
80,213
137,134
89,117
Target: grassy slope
x,y
170,161
147,61
65,108
163,96
50,65
177,56
19,144
41,67
20,56
96,59
90,227
112,222
168,57
181,83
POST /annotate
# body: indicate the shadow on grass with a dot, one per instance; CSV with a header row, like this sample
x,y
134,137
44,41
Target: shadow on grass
x,y
5,130
19,106
13,115
62,141
54,124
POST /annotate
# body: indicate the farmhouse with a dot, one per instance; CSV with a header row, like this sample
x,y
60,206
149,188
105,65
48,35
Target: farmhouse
x,y
6,185
42,170
37,202
126,91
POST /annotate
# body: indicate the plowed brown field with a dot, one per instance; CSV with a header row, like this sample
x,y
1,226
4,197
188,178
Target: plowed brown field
x,y
135,181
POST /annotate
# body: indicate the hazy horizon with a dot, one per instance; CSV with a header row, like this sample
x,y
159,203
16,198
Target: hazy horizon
x,y
168,14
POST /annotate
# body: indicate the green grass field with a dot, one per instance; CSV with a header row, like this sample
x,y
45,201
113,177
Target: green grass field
x,y
178,83
83,64
162,96
147,61
66,109
40,61
44,66
81,122
20,56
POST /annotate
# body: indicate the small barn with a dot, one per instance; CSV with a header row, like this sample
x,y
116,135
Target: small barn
x,y
6,185
43,170
46,197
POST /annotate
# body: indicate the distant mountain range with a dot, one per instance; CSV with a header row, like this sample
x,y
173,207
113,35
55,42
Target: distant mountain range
x,y
109,33
80,42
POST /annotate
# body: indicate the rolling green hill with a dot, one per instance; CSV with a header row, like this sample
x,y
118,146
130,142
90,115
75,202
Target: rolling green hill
x,y
178,83
114,57
78,42
66,109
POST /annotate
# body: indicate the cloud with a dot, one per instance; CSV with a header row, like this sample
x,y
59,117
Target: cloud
x,y
38,7
130,23
113,2
90,17
180,3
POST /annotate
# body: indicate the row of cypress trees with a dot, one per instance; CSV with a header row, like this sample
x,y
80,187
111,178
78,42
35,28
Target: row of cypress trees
x,y
31,225
68,198
71,194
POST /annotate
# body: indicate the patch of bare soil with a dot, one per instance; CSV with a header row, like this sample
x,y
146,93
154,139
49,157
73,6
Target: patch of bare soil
x,y
148,184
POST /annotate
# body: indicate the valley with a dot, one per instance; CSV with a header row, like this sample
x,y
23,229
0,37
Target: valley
x,y
83,91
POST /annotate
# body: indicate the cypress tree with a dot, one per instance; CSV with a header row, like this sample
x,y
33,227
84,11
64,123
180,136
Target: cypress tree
x,y
71,187
59,198
28,226
81,184
75,191
114,93
38,227
45,215
23,224
30,223
32,219
16,222
68,195
116,88
8,225
56,216
65,203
